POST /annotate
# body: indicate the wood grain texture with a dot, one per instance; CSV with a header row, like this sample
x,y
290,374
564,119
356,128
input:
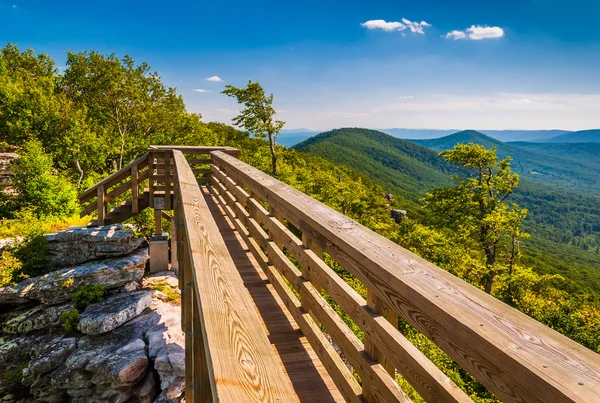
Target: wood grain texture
x,y
517,358
242,365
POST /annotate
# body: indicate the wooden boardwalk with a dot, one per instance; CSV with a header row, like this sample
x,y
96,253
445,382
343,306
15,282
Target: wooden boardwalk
x,y
307,375
252,338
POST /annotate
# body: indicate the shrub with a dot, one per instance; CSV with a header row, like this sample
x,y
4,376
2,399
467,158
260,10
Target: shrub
x,y
88,294
164,287
38,185
70,320
10,269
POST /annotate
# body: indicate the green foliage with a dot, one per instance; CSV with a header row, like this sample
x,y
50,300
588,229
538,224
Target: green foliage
x,y
11,269
86,295
39,187
70,320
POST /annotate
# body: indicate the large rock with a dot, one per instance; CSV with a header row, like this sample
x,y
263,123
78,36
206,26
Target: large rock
x,y
57,286
36,318
114,311
80,245
166,345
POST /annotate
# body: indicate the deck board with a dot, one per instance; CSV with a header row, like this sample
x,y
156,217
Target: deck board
x,y
307,375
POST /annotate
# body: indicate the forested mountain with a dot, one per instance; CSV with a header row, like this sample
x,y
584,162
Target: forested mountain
x,y
565,224
581,152
577,174
582,136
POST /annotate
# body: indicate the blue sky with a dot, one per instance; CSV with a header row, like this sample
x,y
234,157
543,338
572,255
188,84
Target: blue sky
x,y
528,64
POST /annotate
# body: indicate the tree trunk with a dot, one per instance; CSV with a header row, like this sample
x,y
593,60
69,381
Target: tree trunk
x,y
489,281
273,155
78,166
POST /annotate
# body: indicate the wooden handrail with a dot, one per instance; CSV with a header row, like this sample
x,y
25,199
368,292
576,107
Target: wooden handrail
x,y
113,178
228,355
514,356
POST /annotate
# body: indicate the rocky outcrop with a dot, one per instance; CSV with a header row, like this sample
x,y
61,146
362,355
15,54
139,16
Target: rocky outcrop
x,y
79,245
111,313
36,318
57,286
128,347
398,215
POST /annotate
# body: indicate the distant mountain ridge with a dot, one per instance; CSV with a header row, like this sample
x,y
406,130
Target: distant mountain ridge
x,y
542,167
291,137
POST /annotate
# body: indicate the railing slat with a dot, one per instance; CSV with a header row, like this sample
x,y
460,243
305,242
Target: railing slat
x,y
514,356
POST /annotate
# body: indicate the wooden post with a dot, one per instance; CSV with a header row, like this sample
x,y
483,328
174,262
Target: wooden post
x,y
174,246
135,208
377,305
157,222
151,172
187,313
100,205
167,163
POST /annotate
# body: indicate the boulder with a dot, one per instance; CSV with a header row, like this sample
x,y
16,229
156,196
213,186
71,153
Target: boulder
x,y
117,358
114,311
166,345
52,356
36,318
80,245
57,286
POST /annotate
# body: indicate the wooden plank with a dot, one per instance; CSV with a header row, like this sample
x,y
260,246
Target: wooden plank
x,y
198,161
101,207
113,179
135,207
514,356
118,191
242,364
157,222
143,176
201,150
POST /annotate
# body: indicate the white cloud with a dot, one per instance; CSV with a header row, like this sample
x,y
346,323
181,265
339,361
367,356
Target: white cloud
x,y
345,114
405,97
415,27
200,90
14,6
456,35
215,79
382,24
477,33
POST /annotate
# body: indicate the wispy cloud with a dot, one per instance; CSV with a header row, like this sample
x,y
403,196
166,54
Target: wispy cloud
x,y
216,79
14,6
346,114
405,97
477,33
200,90
415,27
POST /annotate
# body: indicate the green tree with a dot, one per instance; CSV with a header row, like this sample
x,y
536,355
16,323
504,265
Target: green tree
x,y
127,102
258,115
476,206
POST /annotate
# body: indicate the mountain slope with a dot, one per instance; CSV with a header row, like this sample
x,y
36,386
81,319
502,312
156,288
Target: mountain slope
x,y
582,136
565,224
399,164
558,169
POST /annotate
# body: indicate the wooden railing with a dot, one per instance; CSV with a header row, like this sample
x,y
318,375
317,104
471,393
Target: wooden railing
x,y
290,235
514,356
